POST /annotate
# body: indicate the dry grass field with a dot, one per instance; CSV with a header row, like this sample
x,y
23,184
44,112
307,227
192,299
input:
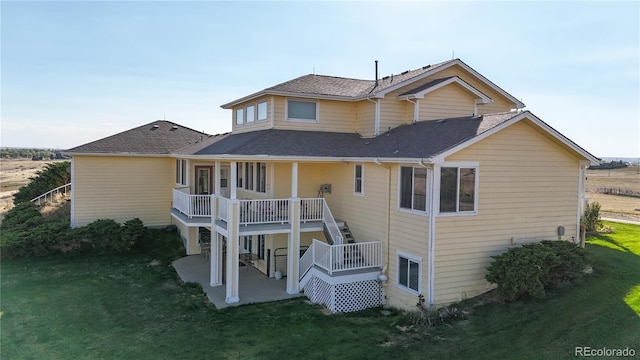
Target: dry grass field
x,y
620,207
15,173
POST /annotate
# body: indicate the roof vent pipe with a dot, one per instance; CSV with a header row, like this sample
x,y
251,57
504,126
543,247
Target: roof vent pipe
x,y
376,72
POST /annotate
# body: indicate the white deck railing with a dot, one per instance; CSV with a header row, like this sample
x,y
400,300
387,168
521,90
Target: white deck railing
x,y
335,258
256,211
65,190
264,211
311,209
330,223
192,205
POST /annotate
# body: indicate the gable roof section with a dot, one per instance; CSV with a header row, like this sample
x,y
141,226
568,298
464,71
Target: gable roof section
x,y
155,138
521,115
416,141
346,89
420,91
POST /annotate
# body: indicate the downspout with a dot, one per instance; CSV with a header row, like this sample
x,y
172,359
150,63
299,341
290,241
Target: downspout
x,y
385,268
416,110
376,129
431,232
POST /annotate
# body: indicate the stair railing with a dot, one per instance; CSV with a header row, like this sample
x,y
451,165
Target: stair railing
x,y
330,223
64,189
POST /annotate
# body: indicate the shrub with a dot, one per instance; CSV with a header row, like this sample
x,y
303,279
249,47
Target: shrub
x,y
529,270
50,177
591,217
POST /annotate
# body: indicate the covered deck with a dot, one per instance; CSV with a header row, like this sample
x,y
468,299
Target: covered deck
x,y
254,286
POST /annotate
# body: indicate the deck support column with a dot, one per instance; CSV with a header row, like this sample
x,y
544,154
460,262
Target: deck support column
x,y
215,276
293,248
233,275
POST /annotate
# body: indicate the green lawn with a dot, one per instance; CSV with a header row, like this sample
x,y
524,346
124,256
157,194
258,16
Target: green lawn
x,y
122,308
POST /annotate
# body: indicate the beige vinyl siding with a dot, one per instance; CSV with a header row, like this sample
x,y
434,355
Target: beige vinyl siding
x,y
123,188
409,234
394,112
189,237
365,118
500,102
447,102
365,214
256,125
528,186
334,116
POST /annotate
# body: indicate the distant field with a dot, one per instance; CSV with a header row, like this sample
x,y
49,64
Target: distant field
x,y
14,174
621,207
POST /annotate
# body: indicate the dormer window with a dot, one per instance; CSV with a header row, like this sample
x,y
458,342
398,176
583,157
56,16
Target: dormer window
x,y
239,116
251,113
262,111
300,110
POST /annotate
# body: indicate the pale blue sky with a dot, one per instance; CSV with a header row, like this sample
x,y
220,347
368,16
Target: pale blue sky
x,y
74,72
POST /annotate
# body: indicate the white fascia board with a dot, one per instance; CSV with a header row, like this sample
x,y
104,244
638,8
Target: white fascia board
x,y
420,95
495,87
439,159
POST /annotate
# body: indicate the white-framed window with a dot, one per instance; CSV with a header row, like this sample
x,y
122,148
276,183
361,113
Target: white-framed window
x,y
413,188
239,116
262,111
302,110
239,174
248,179
409,272
261,242
261,177
358,177
458,189
248,244
251,113
181,171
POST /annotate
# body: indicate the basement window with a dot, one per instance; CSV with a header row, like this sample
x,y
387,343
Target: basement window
x,y
409,277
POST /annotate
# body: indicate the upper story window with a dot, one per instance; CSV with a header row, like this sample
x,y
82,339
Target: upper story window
x,y
239,174
358,179
298,110
261,177
413,188
262,111
251,113
181,171
248,182
239,116
458,189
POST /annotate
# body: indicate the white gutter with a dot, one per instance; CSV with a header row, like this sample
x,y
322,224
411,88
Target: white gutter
x,y
431,235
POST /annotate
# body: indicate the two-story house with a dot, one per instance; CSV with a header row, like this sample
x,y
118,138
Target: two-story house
x,y
396,187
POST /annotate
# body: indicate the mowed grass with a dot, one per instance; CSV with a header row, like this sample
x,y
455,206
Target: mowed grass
x,y
124,308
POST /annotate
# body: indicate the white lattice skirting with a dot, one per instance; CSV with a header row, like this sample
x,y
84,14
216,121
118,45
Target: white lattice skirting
x,y
344,297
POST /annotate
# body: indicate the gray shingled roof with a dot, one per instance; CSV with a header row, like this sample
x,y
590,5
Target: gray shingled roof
x,y
333,86
417,140
146,139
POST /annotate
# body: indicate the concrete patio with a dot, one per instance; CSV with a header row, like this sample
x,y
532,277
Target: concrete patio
x,y
254,286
